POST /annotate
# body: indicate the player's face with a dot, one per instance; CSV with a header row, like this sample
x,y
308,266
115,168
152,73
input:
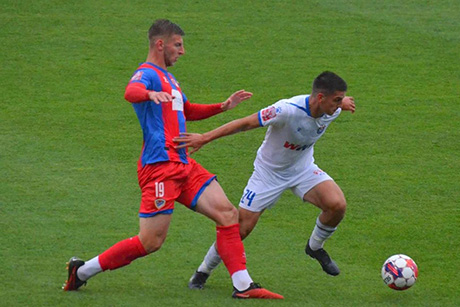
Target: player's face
x,y
173,49
330,103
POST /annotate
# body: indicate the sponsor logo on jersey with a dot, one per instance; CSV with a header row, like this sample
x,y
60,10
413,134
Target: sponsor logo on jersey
x,y
165,80
296,147
268,113
159,203
137,76
321,129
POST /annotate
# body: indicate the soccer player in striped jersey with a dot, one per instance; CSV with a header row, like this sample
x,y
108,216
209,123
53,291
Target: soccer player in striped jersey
x,y
285,161
167,174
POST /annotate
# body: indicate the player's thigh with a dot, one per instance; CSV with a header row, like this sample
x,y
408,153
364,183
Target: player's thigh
x,y
153,231
326,195
262,191
214,204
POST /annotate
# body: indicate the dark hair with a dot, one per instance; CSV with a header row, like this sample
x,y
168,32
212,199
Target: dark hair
x,y
165,28
328,83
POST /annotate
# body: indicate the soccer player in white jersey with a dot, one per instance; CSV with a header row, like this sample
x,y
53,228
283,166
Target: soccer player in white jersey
x,y
285,161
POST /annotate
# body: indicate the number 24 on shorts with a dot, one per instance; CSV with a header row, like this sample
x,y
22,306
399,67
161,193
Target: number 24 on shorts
x,y
248,195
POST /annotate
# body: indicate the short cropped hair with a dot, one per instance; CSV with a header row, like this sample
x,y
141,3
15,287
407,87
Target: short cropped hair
x,y
328,83
164,28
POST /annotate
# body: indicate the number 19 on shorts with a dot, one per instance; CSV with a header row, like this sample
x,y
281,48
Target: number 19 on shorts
x,y
159,189
248,196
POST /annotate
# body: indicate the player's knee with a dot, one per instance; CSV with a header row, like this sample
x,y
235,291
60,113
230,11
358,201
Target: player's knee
x,y
228,215
152,244
338,207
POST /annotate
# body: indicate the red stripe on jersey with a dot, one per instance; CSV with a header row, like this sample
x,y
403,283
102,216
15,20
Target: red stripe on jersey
x,y
170,116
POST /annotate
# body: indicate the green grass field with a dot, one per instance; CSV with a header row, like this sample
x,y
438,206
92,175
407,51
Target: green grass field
x,y
69,146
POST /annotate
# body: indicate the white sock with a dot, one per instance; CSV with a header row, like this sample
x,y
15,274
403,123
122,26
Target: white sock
x,y
89,269
320,233
241,280
211,260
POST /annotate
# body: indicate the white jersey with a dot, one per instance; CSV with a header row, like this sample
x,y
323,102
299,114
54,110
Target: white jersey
x,y
292,132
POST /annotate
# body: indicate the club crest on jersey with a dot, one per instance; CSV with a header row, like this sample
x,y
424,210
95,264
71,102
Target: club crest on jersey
x,y
321,129
175,82
318,172
137,76
160,203
268,113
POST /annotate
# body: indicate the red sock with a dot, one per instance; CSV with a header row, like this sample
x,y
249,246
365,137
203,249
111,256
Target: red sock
x,y
231,248
122,254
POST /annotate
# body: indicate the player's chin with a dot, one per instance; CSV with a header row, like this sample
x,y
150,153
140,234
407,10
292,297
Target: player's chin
x,y
171,63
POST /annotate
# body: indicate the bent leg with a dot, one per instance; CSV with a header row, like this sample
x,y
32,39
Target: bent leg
x,y
153,231
214,204
247,220
152,234
330,199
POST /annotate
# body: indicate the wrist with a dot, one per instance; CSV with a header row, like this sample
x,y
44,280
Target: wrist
x,y
206,138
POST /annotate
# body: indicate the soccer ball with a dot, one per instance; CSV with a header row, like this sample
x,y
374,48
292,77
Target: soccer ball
x,y
399,272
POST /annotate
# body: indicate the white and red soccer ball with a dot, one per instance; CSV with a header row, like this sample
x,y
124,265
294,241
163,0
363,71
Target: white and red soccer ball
x,y
399,272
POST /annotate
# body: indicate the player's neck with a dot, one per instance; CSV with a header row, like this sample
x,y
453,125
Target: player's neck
x,y
157,60
315,110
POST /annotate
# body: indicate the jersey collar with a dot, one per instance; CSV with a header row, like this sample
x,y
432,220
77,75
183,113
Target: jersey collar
x,y
307,105
158,67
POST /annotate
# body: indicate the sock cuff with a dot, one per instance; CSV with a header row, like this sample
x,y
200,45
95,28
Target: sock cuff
x,y
139,245
324,227
229,227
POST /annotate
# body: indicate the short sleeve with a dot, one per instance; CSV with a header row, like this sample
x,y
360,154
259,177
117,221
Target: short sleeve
x,y
276,114
148,77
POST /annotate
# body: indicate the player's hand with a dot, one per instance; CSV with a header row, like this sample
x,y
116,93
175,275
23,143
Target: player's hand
x,y
348,104
235,99
159,97
194,140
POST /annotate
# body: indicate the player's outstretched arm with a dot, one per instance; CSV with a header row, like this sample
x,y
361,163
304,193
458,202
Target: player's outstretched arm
x,y
235,99
348,104
197,140
195,111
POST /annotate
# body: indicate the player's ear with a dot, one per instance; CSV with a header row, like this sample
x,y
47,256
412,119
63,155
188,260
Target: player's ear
x,y
320,96
159,44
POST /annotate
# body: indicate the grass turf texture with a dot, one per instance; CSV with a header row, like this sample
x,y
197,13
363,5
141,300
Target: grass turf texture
x,y
70,145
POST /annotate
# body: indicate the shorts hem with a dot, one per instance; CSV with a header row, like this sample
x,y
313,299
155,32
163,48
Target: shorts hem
x,y
146,215
304,193
200,191
253,209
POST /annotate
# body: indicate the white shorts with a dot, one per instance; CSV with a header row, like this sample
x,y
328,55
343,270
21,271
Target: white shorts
x,y
265,187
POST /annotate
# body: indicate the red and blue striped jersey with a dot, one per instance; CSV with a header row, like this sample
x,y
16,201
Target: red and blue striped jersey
x,y
162,122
